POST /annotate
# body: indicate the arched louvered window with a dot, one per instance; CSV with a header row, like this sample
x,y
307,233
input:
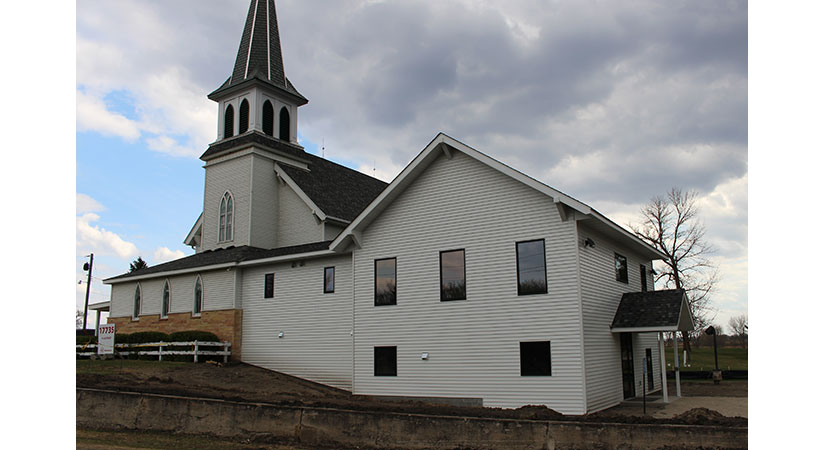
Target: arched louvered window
x,y
225,218
229,122
136,306
164,309
268,118
284,135
243,117
198,306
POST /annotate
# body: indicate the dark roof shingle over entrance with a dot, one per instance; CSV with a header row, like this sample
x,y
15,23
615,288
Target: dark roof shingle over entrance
x,y
223,256
651,309
338,191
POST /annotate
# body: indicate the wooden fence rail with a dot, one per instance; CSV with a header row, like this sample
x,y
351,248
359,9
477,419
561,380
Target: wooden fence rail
x,y
133,349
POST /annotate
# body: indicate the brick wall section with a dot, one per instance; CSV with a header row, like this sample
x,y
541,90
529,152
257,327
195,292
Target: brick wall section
x,y
226,324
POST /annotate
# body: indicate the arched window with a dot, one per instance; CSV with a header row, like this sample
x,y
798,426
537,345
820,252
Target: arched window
x,y
268,118
225,218
284,124
164,309
229,122
136,306
198,306
243,117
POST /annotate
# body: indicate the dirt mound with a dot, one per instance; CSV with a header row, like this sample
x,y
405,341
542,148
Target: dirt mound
x,y
700,416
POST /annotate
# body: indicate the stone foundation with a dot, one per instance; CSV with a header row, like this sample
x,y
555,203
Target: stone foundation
x,y
226,324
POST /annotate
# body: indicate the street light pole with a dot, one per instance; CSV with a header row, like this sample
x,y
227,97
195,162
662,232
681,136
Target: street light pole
x,y
88,267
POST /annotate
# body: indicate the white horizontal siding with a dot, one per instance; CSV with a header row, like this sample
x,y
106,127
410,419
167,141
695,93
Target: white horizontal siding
x,y
473,344
601,294
122,298
263,226
317,344
296,223
234,176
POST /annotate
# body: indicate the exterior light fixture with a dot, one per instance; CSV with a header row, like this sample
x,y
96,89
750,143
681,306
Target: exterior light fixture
x,y
425,355
589,243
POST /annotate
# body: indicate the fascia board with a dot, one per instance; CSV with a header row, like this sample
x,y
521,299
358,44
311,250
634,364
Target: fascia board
x,y
194,230
643,329
287,258
292,184
171,273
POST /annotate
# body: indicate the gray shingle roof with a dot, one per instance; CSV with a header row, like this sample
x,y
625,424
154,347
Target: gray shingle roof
x,y
649,309
339,191
225,255
261,140
259,53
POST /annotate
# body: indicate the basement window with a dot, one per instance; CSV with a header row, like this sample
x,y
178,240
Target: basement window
x,y
269,285
621,268
531,267
329,280
535,358
386,362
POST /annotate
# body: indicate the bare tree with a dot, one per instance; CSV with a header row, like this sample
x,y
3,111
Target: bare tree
x,y
78,319
671,225
739,329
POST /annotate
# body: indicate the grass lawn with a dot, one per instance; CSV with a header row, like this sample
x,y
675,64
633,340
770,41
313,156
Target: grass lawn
x,y
730,358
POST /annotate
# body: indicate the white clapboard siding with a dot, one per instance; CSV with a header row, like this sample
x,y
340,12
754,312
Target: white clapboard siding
x,y
263,226
601,294
473,344
218,291
296,223
231,175
317,341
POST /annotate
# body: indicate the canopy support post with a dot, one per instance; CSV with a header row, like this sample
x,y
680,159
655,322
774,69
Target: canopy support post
x,y
676,365
662,362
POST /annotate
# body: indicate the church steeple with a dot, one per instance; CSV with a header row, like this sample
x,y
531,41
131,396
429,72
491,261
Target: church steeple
x,y
258,88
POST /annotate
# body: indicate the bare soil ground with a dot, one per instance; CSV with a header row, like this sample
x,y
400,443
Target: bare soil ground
x,y
242,382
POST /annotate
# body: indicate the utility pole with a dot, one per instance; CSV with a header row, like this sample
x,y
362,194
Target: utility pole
x,y
88,266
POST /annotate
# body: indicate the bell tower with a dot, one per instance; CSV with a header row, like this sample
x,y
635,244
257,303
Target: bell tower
x,y
258,96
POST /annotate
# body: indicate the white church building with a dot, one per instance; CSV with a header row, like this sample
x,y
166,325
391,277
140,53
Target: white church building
x,y
463,278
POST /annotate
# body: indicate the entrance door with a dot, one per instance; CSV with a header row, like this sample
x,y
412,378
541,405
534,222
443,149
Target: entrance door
x,y
649,359
628,382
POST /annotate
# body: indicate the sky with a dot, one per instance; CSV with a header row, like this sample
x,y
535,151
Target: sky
x,y
610,102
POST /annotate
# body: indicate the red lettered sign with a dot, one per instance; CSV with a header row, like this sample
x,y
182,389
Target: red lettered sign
x,y
106,339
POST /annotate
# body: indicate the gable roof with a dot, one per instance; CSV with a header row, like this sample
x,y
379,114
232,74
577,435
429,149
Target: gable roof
x,y
664,310
445,144
220,258
338,191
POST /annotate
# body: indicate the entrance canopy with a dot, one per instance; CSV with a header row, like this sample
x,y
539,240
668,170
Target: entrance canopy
x,y
641,312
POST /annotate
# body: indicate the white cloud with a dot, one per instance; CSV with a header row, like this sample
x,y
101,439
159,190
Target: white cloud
x,y
164,254
92,115
85,204
100,240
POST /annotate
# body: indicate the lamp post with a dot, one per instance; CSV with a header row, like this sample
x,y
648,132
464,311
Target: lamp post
x,y
717,374
88,267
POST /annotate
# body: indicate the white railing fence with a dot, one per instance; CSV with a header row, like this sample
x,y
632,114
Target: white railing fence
x,y
134,349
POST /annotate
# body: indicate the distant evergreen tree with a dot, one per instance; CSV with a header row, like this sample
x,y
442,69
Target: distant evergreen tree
x,y
137,264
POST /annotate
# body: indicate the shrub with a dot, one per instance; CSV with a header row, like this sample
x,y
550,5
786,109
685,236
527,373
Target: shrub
x,y
81,340
142,337
193,335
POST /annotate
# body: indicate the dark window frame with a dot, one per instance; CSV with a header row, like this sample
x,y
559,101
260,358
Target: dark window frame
x,y
228,122
643,277
243,117
375,282
269,285
544,263
284,125
332,291
441,273
386,370
622,278
268,118
532,370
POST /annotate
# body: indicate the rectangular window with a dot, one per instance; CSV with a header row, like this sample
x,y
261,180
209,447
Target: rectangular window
x,y
531,268
621,268
386,363
643,275
535,358
329,280
453,285
385,281
269,285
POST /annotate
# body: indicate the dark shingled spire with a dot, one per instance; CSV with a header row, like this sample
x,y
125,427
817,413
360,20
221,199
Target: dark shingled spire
x,y
259,54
